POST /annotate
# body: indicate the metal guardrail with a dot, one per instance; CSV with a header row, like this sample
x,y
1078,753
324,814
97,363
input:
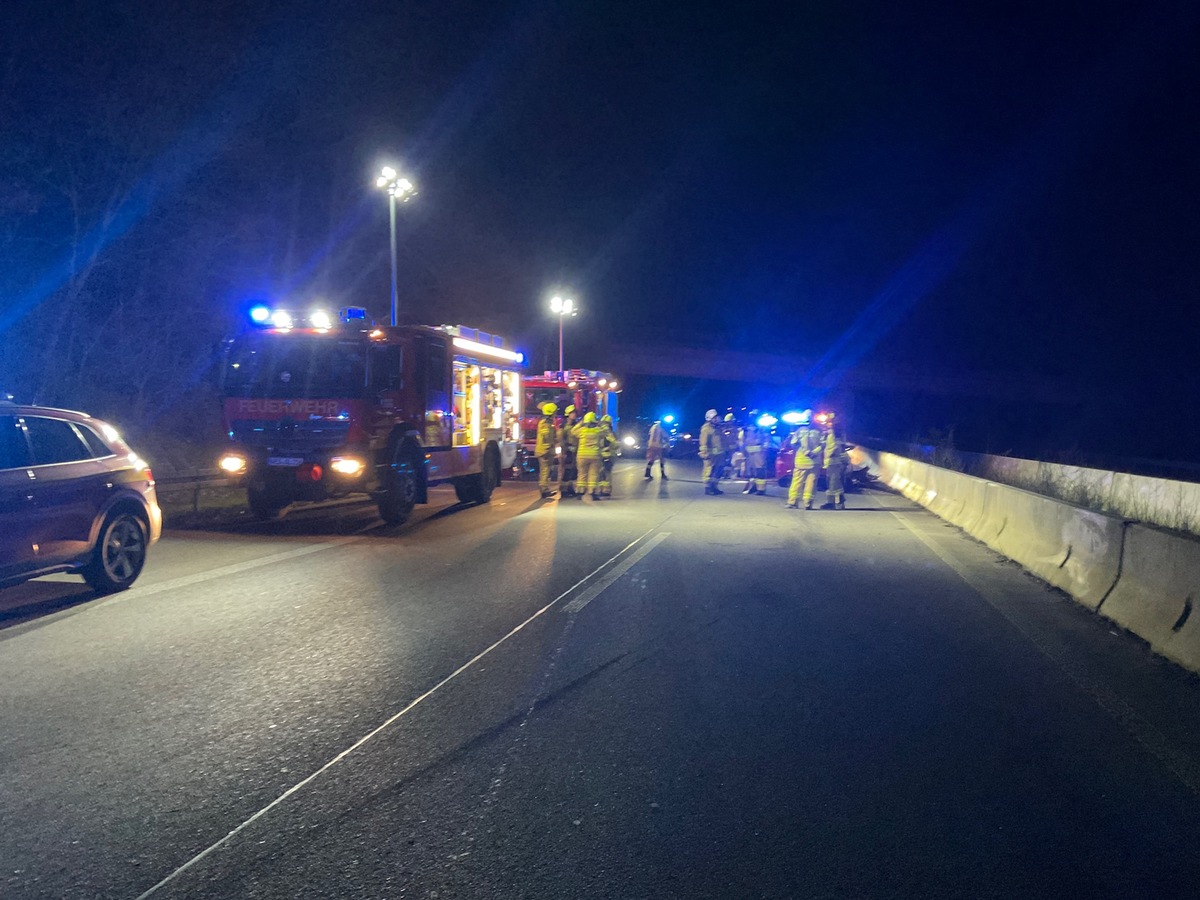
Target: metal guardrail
x,y
192,481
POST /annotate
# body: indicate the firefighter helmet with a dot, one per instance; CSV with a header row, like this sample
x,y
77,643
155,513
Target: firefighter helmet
x,y
728,417
589,418
711,414
549,409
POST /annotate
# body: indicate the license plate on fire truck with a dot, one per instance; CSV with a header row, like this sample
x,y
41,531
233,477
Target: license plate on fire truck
x,y
284,460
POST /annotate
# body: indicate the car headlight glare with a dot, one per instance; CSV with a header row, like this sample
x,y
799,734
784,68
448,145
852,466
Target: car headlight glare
x,y
232,464
346,465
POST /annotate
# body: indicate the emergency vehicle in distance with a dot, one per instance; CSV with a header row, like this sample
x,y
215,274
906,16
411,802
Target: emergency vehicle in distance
x,y
316,408
585,389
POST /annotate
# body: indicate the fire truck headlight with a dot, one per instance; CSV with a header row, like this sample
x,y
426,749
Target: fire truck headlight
x,y
232,464
347,465
321,320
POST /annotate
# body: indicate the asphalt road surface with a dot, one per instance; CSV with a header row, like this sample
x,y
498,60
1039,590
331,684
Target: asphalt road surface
x,y
662,695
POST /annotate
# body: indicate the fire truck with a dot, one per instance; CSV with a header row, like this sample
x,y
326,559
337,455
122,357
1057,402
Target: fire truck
x,y
316,407
585,389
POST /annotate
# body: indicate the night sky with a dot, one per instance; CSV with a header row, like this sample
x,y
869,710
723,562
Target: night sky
x,y
1007,188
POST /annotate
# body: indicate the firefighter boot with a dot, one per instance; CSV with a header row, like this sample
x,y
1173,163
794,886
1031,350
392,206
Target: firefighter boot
x,y
648,475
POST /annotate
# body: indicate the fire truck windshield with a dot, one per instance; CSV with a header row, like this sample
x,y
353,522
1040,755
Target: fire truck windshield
x,y
295,365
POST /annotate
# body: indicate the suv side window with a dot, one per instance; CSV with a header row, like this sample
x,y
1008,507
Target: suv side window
x,y
14,449
55,441
95,444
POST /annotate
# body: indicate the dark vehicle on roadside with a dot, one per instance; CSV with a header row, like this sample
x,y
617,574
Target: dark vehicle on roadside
x,y
73,498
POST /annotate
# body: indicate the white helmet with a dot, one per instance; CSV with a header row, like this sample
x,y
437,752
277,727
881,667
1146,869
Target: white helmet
x,y
711,414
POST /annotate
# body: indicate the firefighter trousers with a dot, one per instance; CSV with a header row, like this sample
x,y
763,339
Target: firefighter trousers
x,y
713,467
589,474
804,480
544,465
756,463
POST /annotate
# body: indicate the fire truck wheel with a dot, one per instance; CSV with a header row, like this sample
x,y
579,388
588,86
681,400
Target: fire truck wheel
x,y
265,504
396,504
479,488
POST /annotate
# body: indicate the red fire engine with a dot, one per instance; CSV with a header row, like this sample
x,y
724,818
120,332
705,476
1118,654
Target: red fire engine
x,y
586,390
318,408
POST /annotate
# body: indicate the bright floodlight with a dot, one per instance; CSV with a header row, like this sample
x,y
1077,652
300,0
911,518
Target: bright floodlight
x,y
793,417
563,306
400,188
281,319
766,420
668,418
321,320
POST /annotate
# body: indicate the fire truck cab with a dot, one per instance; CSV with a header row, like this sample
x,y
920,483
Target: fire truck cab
x,y
586,390
315,408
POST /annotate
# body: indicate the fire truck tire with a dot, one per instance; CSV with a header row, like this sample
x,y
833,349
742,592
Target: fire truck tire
x,y
479,488
265,504
397,502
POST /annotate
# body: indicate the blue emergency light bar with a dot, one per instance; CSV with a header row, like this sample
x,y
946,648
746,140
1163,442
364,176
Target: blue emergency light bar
x,y
319,319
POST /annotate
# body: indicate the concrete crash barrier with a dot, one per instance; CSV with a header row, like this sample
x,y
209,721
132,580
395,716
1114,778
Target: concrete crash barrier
x,y
1158,591
1072,548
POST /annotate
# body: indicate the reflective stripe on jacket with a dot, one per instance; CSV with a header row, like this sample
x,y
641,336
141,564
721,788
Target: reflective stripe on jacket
x,y
710,441
590,439
546,435
809,444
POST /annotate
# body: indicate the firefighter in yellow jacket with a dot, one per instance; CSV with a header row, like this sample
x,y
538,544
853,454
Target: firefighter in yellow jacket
x,y
590,438
568,472
547,441
608,454
712,451
809,445
837,460
754,441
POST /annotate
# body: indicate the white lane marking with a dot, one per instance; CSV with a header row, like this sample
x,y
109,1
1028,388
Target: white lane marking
x,y
386,724
1180,764
592,591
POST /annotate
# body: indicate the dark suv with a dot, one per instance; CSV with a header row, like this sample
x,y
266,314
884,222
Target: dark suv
x,y
73,498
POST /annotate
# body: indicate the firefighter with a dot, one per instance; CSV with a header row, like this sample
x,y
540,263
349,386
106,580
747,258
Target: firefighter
x,y
712,451
608,453
547,440
590,438
809,444
754,444
567,472
729,445
656,448
837,460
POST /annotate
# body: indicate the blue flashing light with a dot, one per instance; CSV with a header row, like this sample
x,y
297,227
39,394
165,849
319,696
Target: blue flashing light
x,y
668,418
767,421
260,314
520,359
